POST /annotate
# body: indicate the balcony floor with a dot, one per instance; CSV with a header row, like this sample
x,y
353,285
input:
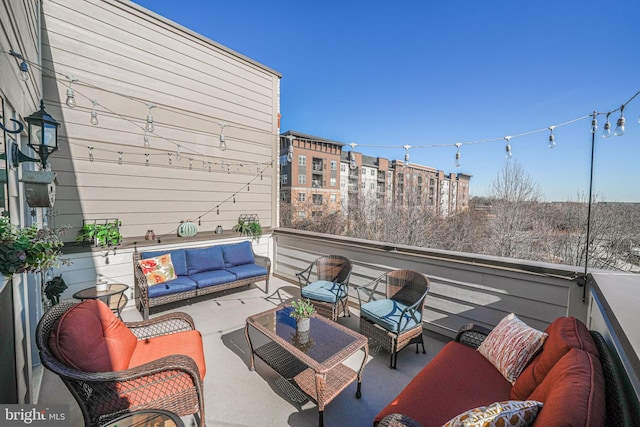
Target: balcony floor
x,y
236,396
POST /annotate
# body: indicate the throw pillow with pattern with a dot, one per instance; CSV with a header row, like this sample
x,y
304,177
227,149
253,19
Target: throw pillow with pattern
x,y
510,413
158,269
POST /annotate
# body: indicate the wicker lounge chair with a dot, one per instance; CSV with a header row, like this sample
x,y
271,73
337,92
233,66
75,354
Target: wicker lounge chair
x,y
171,382
391,310
329,291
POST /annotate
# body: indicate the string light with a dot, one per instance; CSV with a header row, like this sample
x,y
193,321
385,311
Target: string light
x,y
606,133
552,138
178,154
619,131
218,210
594,122
120,157
94,113
190,163
146,140
458,144
146,159
223,144
71,100
234,199
209,166
352,157
507,148
24,68
90,153
406,154
149,126
170,158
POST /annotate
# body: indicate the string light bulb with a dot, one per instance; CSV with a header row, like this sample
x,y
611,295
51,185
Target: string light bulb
x,y
178,154
223,144
23,67
619,131
190,163
507,148
458,144
90,153
209,166
149,126
146,140
552,138
94,113
170,158
594,122
71,99
406,154
120,157
290,150
352,157
606,132
146,159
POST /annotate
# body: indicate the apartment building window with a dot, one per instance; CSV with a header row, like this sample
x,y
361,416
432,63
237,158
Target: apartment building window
x,y
302,197
372,186
302,160
373,172
332,198
343,167
332,182
284,178
364,172
334,165
364,185
302,179
317,199
301,215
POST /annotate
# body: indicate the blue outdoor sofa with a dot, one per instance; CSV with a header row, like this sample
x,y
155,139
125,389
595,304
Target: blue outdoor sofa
x,y
200,271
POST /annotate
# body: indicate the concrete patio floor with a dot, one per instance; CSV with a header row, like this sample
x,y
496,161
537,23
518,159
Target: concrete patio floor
x,y
238,397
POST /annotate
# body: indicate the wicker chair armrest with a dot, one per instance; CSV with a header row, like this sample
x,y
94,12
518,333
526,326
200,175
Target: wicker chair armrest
x,y
472,335
367,292
264,261
169,323
305,275
415,311
398,420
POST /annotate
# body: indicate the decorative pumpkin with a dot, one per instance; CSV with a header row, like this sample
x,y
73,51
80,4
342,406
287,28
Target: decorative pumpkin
x,y
187,229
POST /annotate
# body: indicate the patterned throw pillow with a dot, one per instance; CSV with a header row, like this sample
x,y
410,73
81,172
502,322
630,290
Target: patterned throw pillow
x,y
511,345
158,269
516,413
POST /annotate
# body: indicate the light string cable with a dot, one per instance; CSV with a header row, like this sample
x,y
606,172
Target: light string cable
x,y
50,73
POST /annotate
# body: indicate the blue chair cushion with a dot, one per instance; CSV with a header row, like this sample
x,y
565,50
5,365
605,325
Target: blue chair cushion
x,y
180,284
212,278
387,313
323,290
238,254
178,259
204,259
247,270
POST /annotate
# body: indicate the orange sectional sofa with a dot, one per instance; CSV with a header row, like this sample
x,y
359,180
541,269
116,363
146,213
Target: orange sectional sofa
x,y
566,375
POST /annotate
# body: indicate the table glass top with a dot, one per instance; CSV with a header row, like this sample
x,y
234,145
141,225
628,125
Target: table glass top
x,y
323,340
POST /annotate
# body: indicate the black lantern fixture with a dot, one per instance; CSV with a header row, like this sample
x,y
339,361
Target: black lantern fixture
x,y
43,138
43,134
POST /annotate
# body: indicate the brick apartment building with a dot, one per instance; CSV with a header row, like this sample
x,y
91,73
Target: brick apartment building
x,y
316,173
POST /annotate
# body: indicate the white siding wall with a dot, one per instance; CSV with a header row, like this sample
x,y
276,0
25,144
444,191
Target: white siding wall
x,y
119,51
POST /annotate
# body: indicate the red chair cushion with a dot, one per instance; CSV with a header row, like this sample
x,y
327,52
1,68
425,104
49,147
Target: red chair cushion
x,y
90,338
188,343
565,333
572,392
457,379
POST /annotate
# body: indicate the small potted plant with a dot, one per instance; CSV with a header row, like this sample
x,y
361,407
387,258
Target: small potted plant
x,y
54,288
249,225
302,311
102,235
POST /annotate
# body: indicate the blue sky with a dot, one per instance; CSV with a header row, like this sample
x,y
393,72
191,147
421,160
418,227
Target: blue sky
x,y
384,74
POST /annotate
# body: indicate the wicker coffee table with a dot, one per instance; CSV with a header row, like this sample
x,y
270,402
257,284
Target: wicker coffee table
x,y
311,362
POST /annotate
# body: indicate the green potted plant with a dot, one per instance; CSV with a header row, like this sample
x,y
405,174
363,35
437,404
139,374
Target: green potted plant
x,y
302,311
248,228
29,249
102,235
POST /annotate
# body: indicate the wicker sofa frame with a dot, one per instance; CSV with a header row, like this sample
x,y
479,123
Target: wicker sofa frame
x,y
100,395
145,303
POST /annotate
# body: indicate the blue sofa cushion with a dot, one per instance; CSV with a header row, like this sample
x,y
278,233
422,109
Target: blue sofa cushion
x,y
238,254
181,284
204,259
212,278
323,290
247,270
387,313
178,259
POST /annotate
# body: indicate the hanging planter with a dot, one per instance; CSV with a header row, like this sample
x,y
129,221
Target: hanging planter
x,y
187,229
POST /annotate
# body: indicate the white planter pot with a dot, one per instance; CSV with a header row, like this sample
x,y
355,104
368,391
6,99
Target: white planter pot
x,y
303,325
